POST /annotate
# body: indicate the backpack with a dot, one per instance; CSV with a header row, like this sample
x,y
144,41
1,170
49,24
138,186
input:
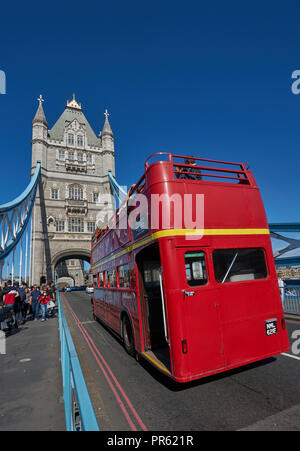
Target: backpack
x,y
10,298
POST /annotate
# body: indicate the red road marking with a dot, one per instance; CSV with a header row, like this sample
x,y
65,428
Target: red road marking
x,y
95,351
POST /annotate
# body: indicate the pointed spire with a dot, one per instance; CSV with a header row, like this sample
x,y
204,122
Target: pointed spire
x,y
106,128
40,115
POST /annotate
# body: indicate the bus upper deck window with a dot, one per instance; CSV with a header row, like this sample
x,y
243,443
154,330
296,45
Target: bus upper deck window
x,y
237,265
195,268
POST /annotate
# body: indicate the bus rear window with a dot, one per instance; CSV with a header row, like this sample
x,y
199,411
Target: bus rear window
x,y
237,265
195,268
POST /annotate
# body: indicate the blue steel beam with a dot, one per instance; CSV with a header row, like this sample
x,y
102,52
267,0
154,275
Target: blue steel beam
x,y
287,261
285,227
117,189
15,216
292,242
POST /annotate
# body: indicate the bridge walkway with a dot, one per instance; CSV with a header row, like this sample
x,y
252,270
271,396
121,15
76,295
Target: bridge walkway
x,y
30,379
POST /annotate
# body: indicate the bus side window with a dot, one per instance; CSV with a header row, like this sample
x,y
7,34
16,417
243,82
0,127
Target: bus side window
x,y
101,281
195,268
124,276
95,281
112,278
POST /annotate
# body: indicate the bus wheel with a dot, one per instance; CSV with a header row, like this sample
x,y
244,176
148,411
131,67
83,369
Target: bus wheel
x,y
127,336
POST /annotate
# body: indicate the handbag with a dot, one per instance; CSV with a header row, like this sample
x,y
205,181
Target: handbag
x,y
50,305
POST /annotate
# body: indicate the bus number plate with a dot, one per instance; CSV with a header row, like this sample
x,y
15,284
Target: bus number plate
x,y
271,327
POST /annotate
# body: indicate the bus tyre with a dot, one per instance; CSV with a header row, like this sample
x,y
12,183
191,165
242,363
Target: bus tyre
x,y
127,336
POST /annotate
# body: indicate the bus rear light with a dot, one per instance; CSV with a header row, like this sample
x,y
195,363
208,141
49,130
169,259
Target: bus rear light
x,y
283,325
184,346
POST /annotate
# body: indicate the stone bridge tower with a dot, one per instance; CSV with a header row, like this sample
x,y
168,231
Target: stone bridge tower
x,y
74,179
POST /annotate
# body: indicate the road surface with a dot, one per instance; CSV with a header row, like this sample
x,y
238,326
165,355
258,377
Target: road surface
x,y
129,395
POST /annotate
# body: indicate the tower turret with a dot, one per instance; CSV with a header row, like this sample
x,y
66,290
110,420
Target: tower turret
x,y
39,136
108,148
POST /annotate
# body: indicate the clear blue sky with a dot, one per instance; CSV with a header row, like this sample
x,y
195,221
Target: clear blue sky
x,y
211,79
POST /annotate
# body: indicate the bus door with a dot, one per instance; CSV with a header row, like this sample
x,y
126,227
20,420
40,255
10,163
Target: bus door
x,y
204,339
152,302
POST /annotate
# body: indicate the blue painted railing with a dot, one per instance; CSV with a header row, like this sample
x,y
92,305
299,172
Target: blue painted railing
x,y
15,216
291,299
80,415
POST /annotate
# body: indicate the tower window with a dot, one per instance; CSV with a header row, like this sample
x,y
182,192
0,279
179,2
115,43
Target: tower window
x,y
61,155
71,155
95,197
80,141
54,193
60,226
89,158
76,192
76,225
71,139
80,156
91,226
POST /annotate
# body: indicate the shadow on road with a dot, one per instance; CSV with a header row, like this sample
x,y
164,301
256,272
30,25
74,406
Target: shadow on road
x,y
177,386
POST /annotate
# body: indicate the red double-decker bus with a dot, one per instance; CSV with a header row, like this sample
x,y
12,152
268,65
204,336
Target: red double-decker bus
x,y
192,300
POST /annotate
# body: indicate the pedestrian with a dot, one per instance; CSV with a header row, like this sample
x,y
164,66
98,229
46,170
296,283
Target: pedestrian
x,y
281,285
53,288
1,307
51,291
34,301
6,318
18,307
9,302
188,172
193,173
26,303
43,300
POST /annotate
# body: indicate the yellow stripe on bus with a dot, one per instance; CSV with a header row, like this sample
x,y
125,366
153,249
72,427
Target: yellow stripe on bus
x,y
183,232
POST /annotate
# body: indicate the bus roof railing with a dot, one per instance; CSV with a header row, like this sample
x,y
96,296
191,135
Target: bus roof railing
x,y
237,174
185,171
172,156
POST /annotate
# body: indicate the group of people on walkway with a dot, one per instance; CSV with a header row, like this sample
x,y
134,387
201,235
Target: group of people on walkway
x,y
18,303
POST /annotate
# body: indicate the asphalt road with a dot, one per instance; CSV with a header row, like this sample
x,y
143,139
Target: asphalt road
x,y
129,395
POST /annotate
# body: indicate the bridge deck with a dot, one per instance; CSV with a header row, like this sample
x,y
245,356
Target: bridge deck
x,y
129,395
30,379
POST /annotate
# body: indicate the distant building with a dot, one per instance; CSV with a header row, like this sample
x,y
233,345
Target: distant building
x,y
288,272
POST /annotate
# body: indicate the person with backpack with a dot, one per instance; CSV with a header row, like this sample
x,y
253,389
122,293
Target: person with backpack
x,y
10,295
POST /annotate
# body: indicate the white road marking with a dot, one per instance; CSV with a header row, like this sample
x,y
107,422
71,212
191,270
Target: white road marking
x,y
289,355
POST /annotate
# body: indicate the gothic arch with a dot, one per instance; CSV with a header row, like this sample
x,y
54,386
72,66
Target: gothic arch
x,y
66,254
